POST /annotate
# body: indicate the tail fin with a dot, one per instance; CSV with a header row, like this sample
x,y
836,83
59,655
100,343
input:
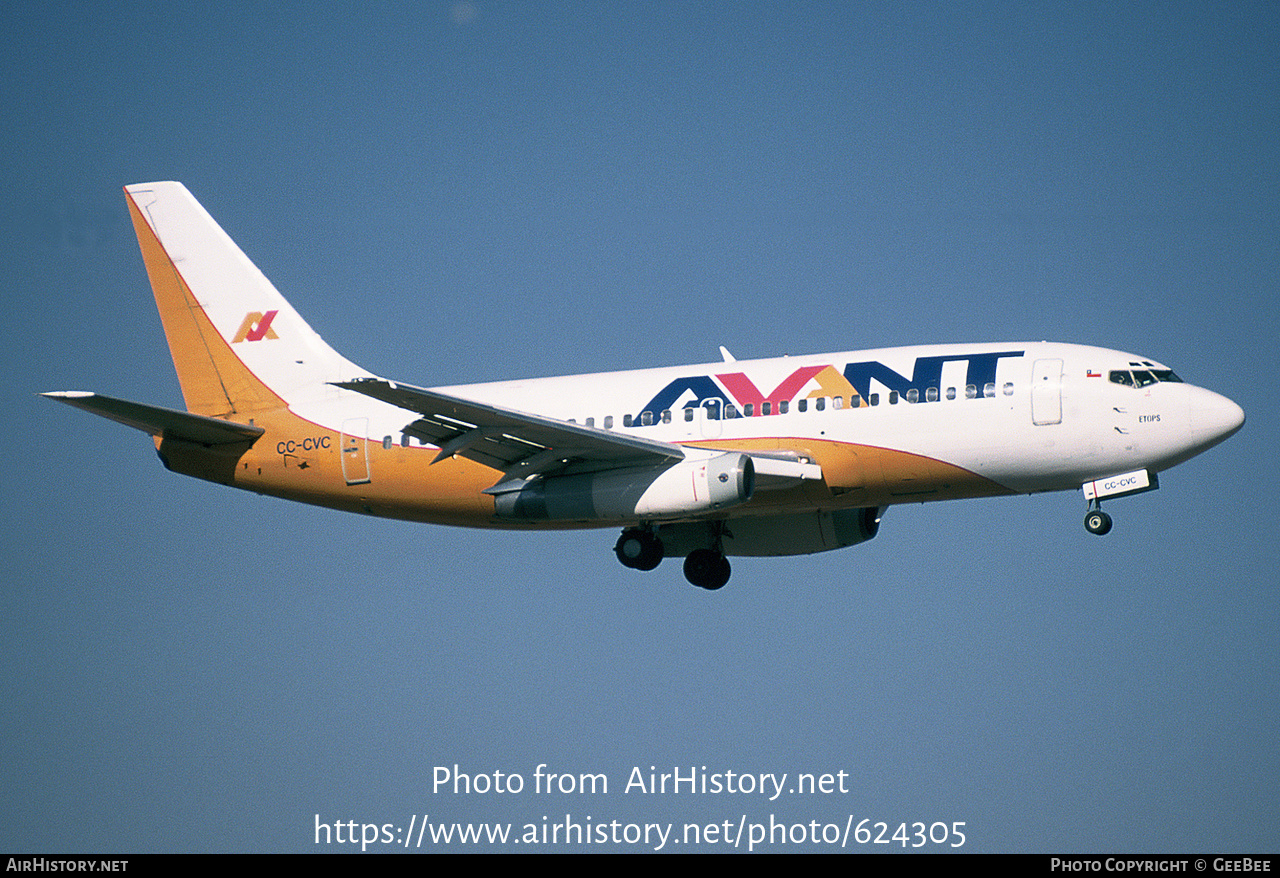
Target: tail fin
x,y
237,345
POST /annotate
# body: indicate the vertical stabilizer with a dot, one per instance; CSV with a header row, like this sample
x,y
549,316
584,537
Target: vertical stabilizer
x,y
237,345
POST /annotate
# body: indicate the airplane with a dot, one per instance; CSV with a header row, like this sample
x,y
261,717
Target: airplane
x,y
767,457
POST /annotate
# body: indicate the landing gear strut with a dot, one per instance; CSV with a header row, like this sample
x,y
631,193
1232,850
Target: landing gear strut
x,y
1096,521
639,549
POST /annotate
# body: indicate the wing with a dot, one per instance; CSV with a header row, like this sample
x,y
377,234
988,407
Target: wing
x,y
519,444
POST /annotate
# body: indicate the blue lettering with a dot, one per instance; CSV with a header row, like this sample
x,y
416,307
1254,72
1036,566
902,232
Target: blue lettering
x,y
702,388
928,373
697,390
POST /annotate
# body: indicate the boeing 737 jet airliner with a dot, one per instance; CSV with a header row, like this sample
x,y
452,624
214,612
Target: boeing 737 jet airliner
x,y
783,456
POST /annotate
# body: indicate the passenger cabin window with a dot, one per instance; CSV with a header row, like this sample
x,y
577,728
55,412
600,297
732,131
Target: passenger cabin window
x,y
646,419
666,416
913,395
802,405
874,399
820,403
970,391
837,402
989,390
766,408
626,420
931,394
386,442
855,401
1008,388
591,422
782,406
688,415
748,410
893,397
951,393
608,422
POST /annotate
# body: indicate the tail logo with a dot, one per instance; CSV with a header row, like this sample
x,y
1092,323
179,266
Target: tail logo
x,y
256,327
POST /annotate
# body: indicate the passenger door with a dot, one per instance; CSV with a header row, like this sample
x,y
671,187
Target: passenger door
x,y
1046,392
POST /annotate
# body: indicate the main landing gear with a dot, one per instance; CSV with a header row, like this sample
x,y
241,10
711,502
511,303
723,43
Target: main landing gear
x,y
707,568
1096,521
640,549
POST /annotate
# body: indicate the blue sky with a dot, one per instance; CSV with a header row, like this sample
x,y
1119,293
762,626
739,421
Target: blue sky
x,y
470,192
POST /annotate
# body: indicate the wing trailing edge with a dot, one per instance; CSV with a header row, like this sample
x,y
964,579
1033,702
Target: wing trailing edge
x,y
518,443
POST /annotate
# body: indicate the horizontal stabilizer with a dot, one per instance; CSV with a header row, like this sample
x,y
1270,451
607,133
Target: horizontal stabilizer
x,y
162,422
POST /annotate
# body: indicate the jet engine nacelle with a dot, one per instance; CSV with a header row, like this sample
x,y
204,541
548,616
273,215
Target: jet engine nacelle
x,y
690,487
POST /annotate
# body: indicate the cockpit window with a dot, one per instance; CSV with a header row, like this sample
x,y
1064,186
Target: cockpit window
x,y
1143,377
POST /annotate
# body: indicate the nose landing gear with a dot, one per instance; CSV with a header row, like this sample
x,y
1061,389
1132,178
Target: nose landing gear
x,y
1096,521
1124,485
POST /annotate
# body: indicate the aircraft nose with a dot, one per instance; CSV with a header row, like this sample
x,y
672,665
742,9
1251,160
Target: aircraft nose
x,y
1213,417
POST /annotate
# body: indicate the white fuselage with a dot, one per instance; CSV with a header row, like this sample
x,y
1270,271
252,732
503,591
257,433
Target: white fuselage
x,y
1049,419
